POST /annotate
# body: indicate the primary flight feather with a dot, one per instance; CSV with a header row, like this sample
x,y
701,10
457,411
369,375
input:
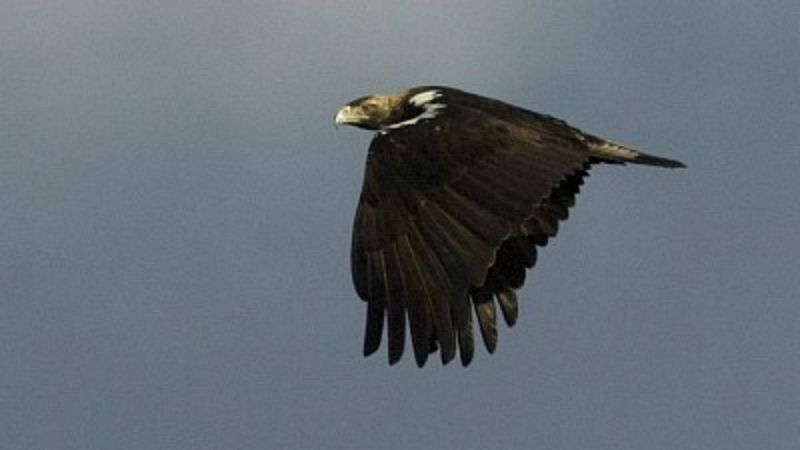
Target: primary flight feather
x,y
459,191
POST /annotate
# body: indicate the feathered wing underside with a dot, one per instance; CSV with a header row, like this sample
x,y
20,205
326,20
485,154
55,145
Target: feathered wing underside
x,y
517,254
449,218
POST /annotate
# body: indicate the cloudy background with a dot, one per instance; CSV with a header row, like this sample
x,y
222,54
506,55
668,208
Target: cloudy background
x,y
175,213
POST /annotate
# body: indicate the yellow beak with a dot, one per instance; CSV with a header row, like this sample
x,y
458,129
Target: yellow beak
x,y
343,116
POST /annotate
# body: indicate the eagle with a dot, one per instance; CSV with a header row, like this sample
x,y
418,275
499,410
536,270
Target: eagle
x,y
459,192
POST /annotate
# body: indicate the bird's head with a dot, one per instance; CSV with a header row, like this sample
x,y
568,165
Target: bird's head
x,y
372,112
385,112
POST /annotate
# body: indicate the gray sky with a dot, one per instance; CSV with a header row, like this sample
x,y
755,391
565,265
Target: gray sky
x,y
175,213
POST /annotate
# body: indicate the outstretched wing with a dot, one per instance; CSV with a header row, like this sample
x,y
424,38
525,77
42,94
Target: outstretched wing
x,y
450,213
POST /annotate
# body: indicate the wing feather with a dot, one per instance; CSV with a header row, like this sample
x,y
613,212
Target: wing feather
x,y
462,239
466,342
484,226
418,302
508,304
440,293
491,199
487,317
396,298
372,336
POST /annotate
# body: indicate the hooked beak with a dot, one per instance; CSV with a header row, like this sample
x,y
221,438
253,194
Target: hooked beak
x,y
350,115
342,117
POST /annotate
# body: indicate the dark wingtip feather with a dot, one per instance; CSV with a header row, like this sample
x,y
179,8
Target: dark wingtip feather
x,y
394,355
448,350
370,348
487,318
396,335
447,358
466,343
374,329
421,358
509,306
466,356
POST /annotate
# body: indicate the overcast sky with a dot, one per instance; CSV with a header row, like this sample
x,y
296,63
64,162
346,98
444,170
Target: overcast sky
x,y
176,207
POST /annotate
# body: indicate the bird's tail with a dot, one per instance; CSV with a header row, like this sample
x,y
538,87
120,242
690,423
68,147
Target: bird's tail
x,y
618,153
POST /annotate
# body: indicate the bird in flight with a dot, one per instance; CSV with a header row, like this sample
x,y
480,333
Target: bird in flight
x,y
459,191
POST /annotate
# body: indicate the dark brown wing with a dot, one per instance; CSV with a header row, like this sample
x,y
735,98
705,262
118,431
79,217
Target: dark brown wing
x,y
450,213
518,253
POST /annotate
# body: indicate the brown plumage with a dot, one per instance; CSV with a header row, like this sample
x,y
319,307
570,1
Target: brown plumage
x,y
459,192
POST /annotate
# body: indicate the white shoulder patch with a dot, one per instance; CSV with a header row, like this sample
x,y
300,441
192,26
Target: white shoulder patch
x,y
425,97
424,100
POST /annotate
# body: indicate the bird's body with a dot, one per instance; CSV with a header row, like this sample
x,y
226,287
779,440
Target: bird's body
x,y
459,191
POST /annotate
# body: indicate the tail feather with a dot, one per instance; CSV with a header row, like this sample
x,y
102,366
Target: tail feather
x,y
613,152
